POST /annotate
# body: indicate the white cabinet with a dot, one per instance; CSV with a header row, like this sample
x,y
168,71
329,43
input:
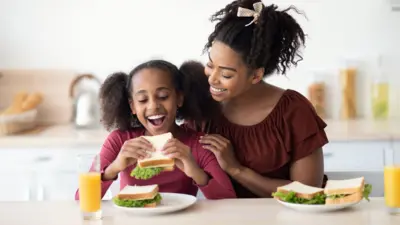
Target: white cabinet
x,y
355,156
396,149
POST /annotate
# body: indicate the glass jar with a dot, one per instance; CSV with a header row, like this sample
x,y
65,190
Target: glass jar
x,y
380,98
316,94
348,78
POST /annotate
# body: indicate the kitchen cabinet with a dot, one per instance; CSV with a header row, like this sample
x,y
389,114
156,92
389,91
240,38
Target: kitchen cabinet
x,y
396,149
355,156
37,174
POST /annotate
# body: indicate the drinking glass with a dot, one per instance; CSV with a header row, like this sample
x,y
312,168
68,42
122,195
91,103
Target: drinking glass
x,y
89,186
392,181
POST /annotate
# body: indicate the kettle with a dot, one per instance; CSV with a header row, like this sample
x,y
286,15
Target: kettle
x,y
86,107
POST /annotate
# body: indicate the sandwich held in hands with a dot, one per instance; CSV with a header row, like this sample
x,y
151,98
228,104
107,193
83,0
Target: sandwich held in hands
x,y
155,161
335,192
138,196
169,152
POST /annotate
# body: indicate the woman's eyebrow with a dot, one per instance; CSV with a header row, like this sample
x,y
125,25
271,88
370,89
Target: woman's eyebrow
x,y
222,67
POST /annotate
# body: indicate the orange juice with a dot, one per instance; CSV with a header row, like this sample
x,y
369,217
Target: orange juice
x,y
392,186
90,191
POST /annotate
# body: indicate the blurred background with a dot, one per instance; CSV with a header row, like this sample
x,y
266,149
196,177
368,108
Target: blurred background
x,y
58,52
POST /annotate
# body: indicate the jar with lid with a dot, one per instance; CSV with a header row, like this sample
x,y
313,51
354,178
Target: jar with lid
x,y
348,78
316,94
380,93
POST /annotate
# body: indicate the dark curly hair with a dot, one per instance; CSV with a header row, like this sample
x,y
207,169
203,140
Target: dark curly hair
x,y
272,43
189,79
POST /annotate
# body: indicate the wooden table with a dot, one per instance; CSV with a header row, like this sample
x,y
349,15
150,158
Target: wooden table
x,y
219,212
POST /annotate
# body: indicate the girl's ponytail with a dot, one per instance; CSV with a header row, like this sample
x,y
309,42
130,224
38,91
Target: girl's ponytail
x,y
114,102
198,105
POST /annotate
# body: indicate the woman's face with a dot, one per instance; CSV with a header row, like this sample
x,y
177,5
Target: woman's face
x,y
227,74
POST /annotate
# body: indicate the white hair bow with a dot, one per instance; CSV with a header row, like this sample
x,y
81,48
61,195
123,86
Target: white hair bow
x,y
243,12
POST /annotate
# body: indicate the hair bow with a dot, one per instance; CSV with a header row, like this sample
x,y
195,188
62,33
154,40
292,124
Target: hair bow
x,y
243,12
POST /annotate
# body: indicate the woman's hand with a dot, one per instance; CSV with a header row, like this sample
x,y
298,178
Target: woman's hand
x,y
223,151
131,151
182,155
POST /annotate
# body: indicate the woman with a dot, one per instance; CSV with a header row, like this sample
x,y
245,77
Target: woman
x,y
266,136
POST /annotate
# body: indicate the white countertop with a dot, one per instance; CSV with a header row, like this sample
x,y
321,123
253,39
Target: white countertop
x,y
220,212
67,135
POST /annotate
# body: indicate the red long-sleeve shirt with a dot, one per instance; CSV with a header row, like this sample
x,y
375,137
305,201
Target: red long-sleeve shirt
x,y
218,187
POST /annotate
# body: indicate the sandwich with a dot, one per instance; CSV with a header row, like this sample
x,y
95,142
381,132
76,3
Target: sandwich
x,y
299,193
335,192
157,162
138,196
346,191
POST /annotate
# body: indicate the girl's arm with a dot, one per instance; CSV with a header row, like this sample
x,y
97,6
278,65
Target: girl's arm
x,y
219,186
108,154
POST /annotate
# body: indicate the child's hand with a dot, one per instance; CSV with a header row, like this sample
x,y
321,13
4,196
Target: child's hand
x,y
182,155
131,151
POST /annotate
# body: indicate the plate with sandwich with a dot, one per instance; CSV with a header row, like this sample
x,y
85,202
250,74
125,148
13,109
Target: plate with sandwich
x,y
157,162
146,200
337,195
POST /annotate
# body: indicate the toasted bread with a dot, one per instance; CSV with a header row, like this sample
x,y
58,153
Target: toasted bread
x,y
356,197
302,190
138,192
165,162
151,205
349,186
157,158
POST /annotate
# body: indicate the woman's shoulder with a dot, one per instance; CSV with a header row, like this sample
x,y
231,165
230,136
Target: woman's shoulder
x,y
293,106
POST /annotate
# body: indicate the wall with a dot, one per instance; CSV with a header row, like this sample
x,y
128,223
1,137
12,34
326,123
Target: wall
x,y
103,36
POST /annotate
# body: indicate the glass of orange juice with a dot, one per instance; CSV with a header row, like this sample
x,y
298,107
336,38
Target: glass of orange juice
x,y
89,186
392,181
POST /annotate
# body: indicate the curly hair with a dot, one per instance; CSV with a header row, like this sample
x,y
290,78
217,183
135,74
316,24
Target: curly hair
x,y
190,80
272,43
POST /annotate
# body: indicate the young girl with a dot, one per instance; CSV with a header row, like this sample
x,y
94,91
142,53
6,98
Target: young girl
x,y
147,102
266,136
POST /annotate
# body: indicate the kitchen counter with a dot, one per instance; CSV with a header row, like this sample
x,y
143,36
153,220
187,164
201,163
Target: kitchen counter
x,y
221,212
67,135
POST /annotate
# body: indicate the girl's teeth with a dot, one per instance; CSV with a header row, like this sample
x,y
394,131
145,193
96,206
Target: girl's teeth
x,y
217,89
155,117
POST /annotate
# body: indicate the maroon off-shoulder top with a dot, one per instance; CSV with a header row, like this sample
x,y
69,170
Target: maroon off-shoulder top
x,y
290,132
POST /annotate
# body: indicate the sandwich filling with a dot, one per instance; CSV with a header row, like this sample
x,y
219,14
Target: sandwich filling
x,y
137,203
291,197
365,193
146,173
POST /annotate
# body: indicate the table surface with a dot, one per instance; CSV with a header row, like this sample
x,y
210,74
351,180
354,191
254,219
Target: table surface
x,y
221,212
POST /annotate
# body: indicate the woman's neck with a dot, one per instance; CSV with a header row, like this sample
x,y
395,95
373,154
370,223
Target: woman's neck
x,y
250,96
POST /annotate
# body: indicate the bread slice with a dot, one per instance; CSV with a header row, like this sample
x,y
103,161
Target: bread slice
x,y
349,186
301,190
138,192
356,197
157,158
151,205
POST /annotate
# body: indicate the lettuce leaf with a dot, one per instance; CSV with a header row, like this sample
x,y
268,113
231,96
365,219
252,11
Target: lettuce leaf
x,y
318,199
136,203
291,197
367,191
146,173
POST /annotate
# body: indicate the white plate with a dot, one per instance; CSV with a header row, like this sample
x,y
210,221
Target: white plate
x,y
171,202
317,208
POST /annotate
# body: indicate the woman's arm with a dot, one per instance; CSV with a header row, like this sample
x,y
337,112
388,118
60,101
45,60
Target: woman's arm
x,y
108,153
219,186
307,170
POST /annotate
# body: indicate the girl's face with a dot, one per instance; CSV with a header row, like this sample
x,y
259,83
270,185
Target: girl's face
x,y
154,100
227,74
